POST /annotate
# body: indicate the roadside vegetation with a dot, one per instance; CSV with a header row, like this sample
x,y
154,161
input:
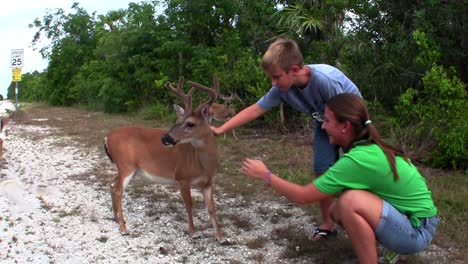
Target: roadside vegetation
x,y
408,59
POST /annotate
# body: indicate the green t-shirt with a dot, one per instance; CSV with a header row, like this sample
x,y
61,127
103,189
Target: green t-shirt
x,y
365,167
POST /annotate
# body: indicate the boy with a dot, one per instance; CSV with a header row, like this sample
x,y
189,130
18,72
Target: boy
x,y
306,88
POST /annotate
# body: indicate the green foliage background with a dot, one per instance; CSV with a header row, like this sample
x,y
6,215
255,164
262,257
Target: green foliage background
x,y
408,58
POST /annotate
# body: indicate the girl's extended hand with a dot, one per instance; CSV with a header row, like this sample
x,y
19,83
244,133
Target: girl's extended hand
x,y
254,168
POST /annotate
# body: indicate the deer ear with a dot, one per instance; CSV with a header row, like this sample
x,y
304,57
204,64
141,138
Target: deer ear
x,y
179,111
206,113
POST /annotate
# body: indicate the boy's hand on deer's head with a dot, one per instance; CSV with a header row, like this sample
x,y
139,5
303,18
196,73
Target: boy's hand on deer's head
x,y
216,131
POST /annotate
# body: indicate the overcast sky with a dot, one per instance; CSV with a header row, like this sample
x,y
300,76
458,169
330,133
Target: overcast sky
x,y
15,34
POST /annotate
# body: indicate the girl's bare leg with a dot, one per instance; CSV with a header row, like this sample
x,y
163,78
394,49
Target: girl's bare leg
x,y
358,212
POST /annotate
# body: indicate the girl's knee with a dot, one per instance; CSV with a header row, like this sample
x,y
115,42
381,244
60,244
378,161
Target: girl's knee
x,y
355,199
360,203
349,197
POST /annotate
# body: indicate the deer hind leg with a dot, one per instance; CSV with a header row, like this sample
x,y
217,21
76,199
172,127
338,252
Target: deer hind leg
x,y
1,148
209,203
187,197
234,134
117,186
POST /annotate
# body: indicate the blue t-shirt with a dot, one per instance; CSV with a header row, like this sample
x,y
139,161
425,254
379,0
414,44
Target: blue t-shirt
x,y
325,82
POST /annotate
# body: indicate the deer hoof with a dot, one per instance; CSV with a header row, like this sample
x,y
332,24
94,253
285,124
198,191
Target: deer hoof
x,y
224,242
124,232
196,236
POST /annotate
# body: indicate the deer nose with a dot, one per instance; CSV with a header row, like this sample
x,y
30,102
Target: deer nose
x,y
167,140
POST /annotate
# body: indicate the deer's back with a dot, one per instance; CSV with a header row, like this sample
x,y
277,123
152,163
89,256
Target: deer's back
x,y
221,113
140,148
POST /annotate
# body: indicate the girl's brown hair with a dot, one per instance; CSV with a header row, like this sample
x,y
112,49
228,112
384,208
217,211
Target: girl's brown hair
x,y
283,53
352,108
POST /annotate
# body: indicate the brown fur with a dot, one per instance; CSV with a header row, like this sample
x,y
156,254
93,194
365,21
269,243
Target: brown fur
x,y
225,111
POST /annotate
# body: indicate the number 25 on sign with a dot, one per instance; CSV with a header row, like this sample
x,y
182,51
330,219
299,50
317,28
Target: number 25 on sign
x,y
17,58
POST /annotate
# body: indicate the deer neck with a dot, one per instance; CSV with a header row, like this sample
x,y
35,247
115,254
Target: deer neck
x,y
206,152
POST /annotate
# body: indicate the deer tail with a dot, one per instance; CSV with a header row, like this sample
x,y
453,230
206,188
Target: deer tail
x,y
107,150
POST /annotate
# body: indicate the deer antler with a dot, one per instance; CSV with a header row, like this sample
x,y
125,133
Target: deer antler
x,y
186,97
229,98
212,92
216,85
234,95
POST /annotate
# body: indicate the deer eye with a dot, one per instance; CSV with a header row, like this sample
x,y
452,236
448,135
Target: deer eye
x,y
190,124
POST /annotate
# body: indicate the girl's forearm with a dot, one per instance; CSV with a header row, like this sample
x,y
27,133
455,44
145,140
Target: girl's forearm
x,y
295,192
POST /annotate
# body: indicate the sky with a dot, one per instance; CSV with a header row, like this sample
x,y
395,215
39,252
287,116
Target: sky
x,y
15,33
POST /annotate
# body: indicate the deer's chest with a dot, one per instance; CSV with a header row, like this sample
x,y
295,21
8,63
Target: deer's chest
x,y
158,179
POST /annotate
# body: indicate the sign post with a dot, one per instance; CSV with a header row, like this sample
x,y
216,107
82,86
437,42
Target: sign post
x,y
17,60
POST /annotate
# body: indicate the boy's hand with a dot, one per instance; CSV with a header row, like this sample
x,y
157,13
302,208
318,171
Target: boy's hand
x,y
216,131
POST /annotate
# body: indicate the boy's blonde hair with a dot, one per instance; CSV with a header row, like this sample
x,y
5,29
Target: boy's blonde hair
x,y
283,53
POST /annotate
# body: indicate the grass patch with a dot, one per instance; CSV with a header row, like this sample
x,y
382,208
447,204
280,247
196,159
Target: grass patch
x,y
258,257
165,114
44,204
450,196
75,211
325,251
241,222
257,243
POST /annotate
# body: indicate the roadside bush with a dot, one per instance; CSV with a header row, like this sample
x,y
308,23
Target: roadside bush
x,y
438,113
158,111
114,96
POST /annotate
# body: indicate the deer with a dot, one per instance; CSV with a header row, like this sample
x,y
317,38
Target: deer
x,y
225,111
185,155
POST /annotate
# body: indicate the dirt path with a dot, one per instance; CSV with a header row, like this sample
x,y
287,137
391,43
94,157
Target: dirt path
x,y
56,207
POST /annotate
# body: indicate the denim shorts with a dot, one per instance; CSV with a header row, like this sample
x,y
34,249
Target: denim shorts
x,y
325,154
396,233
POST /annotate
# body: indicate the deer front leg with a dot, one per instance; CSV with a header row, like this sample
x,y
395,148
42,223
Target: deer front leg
x,y
184,187
116,186
209,203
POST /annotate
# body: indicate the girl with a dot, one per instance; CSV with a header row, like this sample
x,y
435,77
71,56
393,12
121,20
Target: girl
x,y
381,196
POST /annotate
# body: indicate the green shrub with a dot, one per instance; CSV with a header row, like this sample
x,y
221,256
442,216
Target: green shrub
x,y
438,112
158,111
114,96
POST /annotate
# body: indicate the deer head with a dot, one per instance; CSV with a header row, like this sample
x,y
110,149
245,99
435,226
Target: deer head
x,y
190,124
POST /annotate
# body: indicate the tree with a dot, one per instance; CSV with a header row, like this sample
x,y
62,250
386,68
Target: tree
x,y
381,54
72,41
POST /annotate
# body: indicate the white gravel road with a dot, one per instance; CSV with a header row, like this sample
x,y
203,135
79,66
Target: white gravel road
x,y
48,214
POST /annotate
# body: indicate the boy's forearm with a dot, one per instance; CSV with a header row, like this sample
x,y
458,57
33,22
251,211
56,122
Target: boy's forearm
x,y
248,114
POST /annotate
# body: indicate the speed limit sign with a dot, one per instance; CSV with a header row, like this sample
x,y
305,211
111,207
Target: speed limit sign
x,y
17,58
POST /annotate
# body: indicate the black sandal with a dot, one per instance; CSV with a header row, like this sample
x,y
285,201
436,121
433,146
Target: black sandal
x,y
324,232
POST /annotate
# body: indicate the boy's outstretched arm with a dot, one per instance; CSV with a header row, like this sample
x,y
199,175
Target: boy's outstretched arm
x,y
246,115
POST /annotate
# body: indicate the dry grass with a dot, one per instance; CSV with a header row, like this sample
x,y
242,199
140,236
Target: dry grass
x,y
450,195
289,155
